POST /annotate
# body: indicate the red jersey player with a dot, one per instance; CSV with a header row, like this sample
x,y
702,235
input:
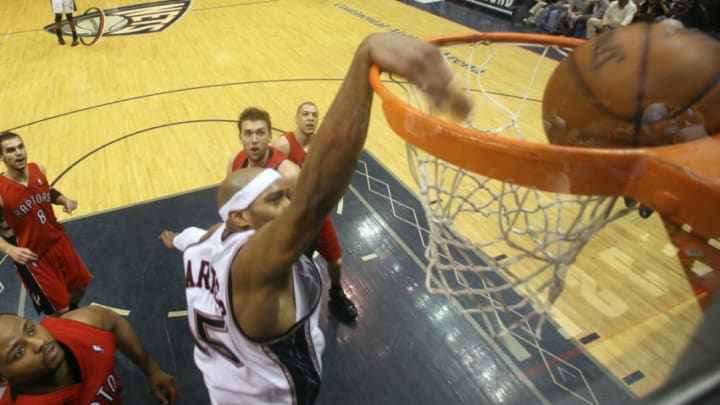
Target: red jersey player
x,y
50,268
295,145
255,135
71,359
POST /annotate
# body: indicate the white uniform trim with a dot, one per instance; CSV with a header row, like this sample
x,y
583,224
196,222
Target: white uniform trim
x,y
187,237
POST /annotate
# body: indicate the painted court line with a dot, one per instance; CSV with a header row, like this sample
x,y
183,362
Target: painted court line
x,y
512,365
369,257
700,268
177,314
340,206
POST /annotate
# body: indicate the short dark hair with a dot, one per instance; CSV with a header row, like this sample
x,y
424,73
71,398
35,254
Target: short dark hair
x,y
303,104
5,135
254,114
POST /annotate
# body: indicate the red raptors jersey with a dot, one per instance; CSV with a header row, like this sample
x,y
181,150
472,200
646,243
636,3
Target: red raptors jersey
x,y
29,212
297,152
94,350
5,396
274,159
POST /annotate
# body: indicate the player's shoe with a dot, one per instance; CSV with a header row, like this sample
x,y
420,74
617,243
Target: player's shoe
x,y
61,41
341,306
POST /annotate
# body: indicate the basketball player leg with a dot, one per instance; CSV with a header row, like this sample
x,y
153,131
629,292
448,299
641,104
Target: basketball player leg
x,y
58,28
75,274
329,248
340,305
71,21
593,25
58,8
49,278
33,285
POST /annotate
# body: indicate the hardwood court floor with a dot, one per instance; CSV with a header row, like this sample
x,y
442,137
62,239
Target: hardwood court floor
x,y
140,117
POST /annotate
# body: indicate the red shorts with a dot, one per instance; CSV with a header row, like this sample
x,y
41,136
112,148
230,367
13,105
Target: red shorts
x,y
57,273
327,244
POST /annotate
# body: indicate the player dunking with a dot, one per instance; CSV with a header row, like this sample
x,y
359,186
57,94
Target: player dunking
x,y
295,144
50,268
253,297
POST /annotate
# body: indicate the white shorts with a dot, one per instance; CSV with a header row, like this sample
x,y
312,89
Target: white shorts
x,y
63,6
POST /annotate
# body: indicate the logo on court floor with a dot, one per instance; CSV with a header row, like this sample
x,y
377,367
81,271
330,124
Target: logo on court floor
x,y
146,18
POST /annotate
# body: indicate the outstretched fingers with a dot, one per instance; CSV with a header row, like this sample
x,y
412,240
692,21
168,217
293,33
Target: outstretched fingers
x,y
422,64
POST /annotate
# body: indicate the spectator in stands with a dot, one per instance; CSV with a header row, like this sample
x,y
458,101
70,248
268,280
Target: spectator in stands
x,y
619,14
679,9
703,15
576,23
564,21
535,12
652,10
549,16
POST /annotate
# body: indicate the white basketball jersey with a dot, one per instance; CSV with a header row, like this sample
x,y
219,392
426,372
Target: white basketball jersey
x,y
283,370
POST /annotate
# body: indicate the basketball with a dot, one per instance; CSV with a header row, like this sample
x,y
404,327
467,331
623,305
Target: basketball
x,y
640,85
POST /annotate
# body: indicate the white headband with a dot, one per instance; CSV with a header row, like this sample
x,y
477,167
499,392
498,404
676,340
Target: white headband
x,y
246,195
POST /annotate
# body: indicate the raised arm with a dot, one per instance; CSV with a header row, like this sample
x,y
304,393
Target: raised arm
x,y
130,345
330,164
282,144
290,172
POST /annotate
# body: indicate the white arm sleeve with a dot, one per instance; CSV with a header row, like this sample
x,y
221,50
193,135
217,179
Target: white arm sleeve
x,y
188,237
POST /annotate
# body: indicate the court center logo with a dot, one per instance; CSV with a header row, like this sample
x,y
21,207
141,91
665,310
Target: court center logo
x,y
146,18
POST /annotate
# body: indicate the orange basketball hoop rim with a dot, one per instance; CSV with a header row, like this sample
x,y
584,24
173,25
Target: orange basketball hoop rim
x,y
681,181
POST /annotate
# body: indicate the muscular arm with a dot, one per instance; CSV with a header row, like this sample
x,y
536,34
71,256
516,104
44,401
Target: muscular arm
x,y
130,345
290,173
257,271
230,162
19,255
282,145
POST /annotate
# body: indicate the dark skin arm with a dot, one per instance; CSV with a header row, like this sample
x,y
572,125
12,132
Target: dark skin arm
x,y
162,385
262,287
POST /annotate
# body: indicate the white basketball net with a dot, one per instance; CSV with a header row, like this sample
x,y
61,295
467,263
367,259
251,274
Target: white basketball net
x,y
499,250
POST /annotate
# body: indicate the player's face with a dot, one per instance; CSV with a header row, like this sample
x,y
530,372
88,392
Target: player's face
x,y
269,205
14,154
28,352
306,119
255,137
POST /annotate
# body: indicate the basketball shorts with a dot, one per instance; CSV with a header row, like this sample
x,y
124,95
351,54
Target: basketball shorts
x,y
63,6
51,279
327,243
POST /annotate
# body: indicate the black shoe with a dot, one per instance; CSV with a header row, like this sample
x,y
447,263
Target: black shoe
x,y
74,42
61,41
341,306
